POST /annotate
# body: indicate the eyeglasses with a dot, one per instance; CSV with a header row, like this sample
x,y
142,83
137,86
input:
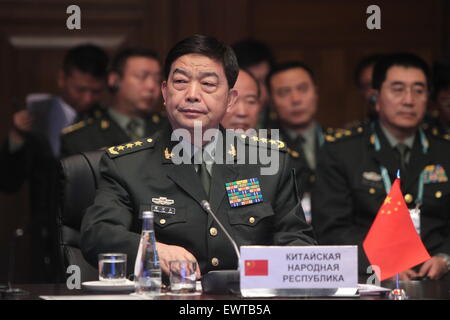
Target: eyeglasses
x,y
399,91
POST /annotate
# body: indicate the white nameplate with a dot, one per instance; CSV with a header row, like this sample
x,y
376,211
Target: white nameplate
x,y
298,267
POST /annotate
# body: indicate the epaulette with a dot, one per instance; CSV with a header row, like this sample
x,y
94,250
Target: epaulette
x,y
339,133
77,126
269,143
130,147
436,132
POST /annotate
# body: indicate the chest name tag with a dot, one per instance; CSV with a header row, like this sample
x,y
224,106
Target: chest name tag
x,y
163,209
244,192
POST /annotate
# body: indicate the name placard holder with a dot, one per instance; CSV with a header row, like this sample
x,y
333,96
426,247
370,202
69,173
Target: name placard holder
x,y
298,271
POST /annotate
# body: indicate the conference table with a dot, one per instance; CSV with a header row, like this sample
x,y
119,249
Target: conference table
x,y
416,290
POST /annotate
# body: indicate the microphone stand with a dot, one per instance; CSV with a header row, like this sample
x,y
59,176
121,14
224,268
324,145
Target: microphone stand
x,y
221,281
12,257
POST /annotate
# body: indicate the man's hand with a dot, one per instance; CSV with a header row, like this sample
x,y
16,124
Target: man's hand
x,y
408,275
168,253
434,268
22,122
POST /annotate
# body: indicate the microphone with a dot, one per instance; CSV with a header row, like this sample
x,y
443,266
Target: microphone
x,y
221,281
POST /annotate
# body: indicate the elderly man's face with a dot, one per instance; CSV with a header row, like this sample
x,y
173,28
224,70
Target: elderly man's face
x,y
197,90
402,98
244,113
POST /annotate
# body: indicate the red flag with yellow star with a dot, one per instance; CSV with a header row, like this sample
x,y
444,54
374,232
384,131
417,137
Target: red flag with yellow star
x,y
392,243
256,267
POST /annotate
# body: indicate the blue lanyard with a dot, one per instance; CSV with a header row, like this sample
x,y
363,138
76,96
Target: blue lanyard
x,y
320,136
384,171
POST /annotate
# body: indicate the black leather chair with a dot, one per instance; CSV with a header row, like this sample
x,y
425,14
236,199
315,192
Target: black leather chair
x,y
79,178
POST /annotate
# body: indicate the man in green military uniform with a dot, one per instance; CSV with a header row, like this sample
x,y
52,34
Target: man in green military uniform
x,y
200,73
294,94
356,171
134,80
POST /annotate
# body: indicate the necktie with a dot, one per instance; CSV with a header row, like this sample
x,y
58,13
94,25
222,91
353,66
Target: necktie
x,y
300,141
403,150
202,171
133,129
205,178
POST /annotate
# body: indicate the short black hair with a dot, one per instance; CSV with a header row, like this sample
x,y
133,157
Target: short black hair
x,y
86,58
407,60
209,47
121,57
441,75
363,64
250,52
287,66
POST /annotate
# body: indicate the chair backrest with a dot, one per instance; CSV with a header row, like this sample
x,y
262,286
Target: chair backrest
x,y
79,177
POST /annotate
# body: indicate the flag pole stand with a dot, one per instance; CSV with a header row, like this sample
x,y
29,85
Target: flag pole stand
x,y
397,293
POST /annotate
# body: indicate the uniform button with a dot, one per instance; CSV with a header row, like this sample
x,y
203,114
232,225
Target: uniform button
x,y
312,179
215,262
213,232
251,220
438,194
408,198
372,190
162,221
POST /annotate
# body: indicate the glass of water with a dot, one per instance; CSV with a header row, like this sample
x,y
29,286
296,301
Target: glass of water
x,y
112,267
182,277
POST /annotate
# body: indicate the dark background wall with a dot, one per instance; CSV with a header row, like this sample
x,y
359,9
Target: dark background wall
x,y
329,35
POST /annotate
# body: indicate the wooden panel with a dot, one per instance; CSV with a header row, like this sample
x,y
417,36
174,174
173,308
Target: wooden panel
x,y
329,35
332,36
33,41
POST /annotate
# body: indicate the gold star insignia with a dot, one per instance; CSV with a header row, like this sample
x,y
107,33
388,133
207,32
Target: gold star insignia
x,y
167,155
112,151
280,144
138,143
387,200
129,145
120,148
232,151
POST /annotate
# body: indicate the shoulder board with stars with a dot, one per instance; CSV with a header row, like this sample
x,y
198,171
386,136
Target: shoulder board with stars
x,y
338,134
77,126
269,143
130,147
439,134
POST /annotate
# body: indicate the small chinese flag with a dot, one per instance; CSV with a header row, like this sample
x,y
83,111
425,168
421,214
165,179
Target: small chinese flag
x,y
392,243
256,267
